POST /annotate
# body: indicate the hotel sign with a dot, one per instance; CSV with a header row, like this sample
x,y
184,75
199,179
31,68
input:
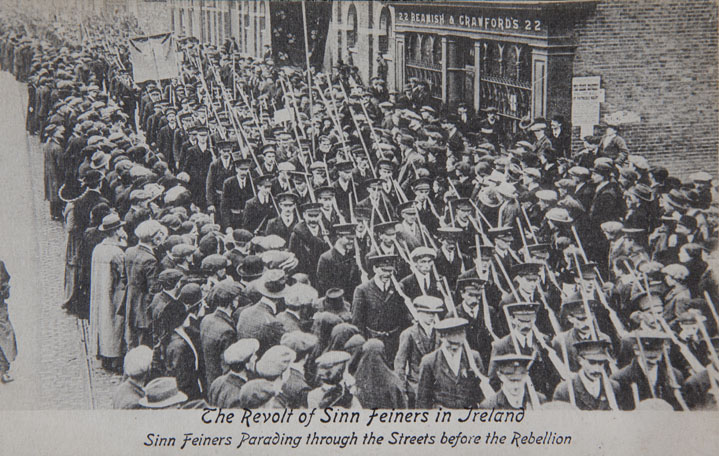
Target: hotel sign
x,y
515,21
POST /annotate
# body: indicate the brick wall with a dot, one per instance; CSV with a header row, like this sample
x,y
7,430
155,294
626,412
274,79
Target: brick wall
x,y
658,59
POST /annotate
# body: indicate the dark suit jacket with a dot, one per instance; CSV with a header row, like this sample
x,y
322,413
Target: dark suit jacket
x,y
225,391
633,374
277,226
499,401
569,338
608,204
197,165
439,387
214,184
183,360
141,272
289,321
217,332
542,372
335,270
410,287
258,322
232,202
307,248
294,390
696,392
256,215
413,345
582,397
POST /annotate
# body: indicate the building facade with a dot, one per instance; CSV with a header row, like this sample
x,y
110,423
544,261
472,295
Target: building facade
x,y
651,65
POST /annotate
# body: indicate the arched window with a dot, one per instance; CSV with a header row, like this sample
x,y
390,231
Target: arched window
x,y
352,27
385,26
411,46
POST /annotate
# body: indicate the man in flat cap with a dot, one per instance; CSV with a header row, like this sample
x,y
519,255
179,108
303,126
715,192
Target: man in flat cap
x,y
338,267
137,364
294,385
448,377
220,170
240,359
516,392
377,308
299,302
417,341
334,391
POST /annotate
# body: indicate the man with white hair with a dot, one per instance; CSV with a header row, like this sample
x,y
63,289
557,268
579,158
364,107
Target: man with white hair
x,y
141,269
137,368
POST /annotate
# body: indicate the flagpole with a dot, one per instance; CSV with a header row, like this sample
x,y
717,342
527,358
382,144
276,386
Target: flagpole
x,y
309,76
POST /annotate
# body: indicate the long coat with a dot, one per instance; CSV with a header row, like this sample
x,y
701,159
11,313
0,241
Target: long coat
x,y
216,334
53,173
379,314
8,344
232,202
439,387
107,295
414,343
141,271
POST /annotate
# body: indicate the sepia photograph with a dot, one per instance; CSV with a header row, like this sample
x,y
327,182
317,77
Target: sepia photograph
x,y
363,211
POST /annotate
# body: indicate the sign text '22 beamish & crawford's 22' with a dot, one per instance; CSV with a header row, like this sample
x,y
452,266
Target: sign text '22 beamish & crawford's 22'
x,y
477,22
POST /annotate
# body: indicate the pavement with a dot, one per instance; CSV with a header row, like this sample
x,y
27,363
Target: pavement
x,y
53,370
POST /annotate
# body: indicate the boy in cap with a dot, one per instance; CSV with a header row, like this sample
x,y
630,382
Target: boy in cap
x,y
447,376
217,330
259,321
335,390
299,305
240,359
295,387
591,387
416,341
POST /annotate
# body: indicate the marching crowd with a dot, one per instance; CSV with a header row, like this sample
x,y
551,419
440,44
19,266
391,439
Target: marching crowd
x,y
247,235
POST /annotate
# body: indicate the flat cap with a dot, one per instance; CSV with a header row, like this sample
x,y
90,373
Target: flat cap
x,y
330,358
240,351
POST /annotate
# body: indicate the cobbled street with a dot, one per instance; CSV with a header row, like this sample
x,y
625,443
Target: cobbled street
x,y
52,370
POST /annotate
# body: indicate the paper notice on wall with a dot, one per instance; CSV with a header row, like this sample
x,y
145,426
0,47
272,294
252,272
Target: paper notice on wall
x,y
587,95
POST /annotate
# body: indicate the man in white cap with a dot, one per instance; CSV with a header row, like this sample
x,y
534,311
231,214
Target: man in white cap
x,y
137,369
421,281
240,358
